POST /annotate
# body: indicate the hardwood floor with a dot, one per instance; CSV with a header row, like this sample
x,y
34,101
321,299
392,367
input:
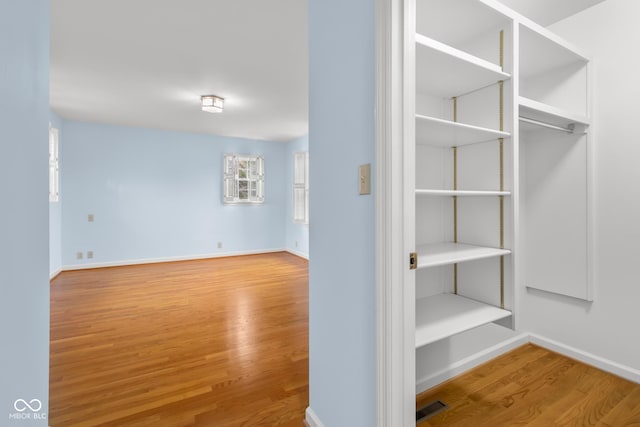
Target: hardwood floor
x,y
221,342
535,387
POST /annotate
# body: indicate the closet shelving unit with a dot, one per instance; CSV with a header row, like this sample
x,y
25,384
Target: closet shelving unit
x,y
450,80
538,113
454,70
470,119
554,78
444,315
439,254
554,123
446,133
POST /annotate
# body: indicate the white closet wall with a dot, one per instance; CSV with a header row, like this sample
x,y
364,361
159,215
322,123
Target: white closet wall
x,y
604,331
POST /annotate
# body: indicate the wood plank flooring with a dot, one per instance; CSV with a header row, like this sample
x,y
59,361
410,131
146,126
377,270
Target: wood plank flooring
x,y
535,387
220,342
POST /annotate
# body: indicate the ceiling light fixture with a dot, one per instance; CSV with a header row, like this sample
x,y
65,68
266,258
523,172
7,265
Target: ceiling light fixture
x,y
212,103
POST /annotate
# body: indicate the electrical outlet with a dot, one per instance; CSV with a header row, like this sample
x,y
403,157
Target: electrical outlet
x,y
296,243
79,255
90,218
219,245
89,254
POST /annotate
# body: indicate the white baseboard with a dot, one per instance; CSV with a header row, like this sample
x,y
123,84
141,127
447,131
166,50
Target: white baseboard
x,y
167,259
298,253
610,366
312,419
55,273
470,362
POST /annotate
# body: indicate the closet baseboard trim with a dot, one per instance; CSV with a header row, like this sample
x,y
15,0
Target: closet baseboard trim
x,y
312,419
607,365
470,362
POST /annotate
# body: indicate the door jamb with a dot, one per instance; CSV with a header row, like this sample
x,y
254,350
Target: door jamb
x,y
395,347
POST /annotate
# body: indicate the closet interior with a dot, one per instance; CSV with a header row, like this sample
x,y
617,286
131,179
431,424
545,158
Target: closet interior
x,y
498,125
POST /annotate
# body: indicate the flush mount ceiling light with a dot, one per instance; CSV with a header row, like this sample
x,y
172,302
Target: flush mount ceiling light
x,y
212,103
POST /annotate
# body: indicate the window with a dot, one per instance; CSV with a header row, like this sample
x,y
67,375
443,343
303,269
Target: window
x,y
243,179
54,171
301,187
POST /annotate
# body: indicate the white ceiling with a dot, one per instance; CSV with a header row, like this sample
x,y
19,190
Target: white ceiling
x,y
546,12
145,63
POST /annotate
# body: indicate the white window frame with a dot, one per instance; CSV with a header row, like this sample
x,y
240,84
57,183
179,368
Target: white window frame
x,y
243,179
54,165
301,185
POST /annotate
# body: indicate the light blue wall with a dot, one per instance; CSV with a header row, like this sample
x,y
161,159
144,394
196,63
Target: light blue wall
x,y
296,233
55,213
24,235
342,290
158,194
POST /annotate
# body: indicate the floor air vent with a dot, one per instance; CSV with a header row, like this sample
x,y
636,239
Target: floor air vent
x,y
430,410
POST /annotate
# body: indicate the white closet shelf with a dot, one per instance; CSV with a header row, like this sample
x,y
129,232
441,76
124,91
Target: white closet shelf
x,y
461,193
441,316
445,71
542,51
546,113
445,133
473,20
437,254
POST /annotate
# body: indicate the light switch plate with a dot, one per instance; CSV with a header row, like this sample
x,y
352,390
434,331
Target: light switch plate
x,y
365,179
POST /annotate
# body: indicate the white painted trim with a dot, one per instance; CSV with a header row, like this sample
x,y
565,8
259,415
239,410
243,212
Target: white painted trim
x,y
55,273
404,198
167,259
592,244
487,354
516,258
395,377
470,362
312,419
607,365
298,253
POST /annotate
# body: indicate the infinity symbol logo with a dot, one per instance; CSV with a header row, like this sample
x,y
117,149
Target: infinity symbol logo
x,y
21,405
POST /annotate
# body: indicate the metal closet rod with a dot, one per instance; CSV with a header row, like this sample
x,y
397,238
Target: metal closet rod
x,y
569,129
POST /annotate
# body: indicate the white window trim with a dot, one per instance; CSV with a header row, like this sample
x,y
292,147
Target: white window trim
x,y
301,158
54,165
231,179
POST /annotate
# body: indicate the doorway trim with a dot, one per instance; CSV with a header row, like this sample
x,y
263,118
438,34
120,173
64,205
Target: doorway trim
x,y
395,347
